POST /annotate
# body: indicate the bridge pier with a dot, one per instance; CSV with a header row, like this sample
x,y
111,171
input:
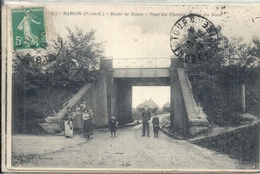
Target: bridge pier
x,y
119,94
123,101
173,95
110,92
178,114
184,115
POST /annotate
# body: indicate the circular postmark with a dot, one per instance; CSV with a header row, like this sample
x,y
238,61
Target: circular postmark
x,y
193,38
30,28
40,57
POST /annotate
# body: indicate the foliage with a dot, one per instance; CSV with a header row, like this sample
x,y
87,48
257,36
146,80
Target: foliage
x,y
79,60
216,82
27,120
205,82
77,64
236,143
255,51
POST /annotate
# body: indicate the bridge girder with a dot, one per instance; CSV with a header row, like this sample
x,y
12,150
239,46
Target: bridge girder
x,y
141,73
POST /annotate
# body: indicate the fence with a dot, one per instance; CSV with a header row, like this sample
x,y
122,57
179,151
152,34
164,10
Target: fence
x,y
142,63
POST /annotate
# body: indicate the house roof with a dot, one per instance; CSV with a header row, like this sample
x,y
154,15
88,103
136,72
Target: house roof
x,y
150,104
167,105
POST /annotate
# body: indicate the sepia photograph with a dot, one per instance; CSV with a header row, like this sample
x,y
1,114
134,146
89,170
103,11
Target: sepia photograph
x,y
130,87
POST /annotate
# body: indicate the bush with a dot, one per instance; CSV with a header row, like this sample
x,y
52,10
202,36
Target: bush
x,y
241,143
216,83
26,120
230,118
39,91
30,108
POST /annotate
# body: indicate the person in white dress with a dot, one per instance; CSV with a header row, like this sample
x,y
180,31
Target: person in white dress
x,y
25,25
68,123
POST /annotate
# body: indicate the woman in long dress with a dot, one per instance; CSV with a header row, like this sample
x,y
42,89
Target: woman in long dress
x,y
25,25
68,123
87,126
77,120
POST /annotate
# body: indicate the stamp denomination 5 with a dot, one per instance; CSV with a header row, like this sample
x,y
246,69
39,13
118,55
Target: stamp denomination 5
x,y
29,37
28,28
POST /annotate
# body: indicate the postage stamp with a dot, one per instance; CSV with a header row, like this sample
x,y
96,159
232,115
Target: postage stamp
x,y
193,38
28,28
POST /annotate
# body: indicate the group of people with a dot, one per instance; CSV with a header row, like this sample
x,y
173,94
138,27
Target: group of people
x,y
85,119
85,122
146,117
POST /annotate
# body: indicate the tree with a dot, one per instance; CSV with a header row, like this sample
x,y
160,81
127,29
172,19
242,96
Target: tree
x,y
255,51
79,60
213,80
76,63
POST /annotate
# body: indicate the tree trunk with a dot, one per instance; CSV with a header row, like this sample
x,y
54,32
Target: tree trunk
x,y
243,97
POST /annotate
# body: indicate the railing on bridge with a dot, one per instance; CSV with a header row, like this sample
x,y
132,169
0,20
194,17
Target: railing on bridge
x,y
142,63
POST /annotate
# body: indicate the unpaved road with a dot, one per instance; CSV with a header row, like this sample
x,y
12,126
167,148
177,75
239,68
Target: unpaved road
x,y
128,151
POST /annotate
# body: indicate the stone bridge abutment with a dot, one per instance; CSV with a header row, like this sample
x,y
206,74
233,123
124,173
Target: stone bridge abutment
x,y
184,115
111,94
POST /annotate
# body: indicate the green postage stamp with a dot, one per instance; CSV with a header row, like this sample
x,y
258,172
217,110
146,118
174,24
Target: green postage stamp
x,y
28,28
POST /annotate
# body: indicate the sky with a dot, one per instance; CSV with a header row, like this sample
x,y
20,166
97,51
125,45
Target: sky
x,y
159,94
148,36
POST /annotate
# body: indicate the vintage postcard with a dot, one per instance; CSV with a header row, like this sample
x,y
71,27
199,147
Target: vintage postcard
x,y
130,87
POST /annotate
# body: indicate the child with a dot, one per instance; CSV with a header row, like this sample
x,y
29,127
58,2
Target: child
x,y
113,124
156,127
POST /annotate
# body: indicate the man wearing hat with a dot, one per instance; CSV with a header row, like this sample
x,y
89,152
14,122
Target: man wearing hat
x,y
146,116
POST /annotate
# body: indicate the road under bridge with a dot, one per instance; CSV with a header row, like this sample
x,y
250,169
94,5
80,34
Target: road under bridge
x,y
111,93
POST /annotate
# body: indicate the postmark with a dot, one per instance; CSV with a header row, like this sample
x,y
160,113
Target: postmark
x,y
40,59
30,38
193,38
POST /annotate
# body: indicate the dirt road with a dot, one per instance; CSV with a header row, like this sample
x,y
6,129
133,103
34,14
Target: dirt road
x,y
128,150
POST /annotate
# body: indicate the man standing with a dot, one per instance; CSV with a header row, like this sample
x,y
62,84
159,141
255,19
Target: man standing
x,y
146,116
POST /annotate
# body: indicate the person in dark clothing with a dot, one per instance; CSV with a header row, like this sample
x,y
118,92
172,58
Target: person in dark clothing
x,y
156,127
146,116
113,124
87,125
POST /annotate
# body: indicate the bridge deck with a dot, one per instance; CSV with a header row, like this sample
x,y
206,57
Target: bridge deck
x,y
141,72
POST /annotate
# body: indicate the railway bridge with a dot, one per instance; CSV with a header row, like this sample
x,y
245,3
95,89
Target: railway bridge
x,y
111,93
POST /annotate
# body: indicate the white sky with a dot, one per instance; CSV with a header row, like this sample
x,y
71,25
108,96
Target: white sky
x,y
159,94
149,36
